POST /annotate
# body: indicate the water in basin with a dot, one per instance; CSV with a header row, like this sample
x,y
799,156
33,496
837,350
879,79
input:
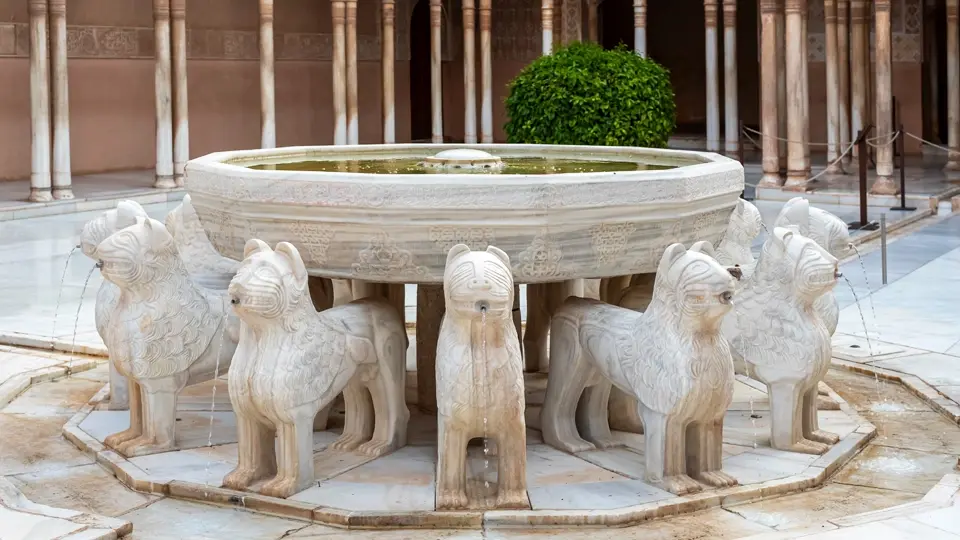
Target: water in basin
x,y
511,165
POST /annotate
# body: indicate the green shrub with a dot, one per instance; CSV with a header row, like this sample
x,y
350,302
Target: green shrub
x,y
583,94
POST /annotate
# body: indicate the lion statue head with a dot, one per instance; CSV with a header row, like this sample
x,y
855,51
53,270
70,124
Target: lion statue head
x,y
270,283
692,286
744,226
141,254
824,228
97,230
812,270
478,282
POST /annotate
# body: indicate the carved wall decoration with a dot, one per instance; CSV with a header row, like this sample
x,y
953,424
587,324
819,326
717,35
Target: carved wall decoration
x,y
609,239
382,257
314,238
541,259
516,30
447,237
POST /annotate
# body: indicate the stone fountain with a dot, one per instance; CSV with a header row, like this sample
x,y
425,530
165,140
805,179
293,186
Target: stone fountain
x,y
467,225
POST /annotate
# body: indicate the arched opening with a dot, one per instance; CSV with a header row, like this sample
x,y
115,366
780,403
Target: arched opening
x,y
687,64
420,118
616,23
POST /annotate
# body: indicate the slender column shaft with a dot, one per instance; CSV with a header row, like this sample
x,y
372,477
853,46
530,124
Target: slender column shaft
x,y
268,107
39,104
953,85
546,25
387,64
782,84
469,73
486,73
640,27
162,94
353,113
884,184
858,69
593,21
338,11
181,125
768,93
731,114
436,70
713,83
843,82
61,101
796,167
805,80
833,86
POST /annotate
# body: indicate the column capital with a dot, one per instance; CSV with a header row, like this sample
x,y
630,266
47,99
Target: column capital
x,y
388,10
639,13
830,11
178,9
266,10
881,5
37,7
436,13
730,13
161,9
768,6
58,8
546,14
338,10
710,13
796,6
842,11
953,10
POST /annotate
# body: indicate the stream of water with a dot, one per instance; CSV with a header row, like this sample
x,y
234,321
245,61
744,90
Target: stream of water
x,y
56,311
76,322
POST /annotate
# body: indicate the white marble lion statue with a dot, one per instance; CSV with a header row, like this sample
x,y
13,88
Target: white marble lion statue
x,y
292,361
782,339
165,332
479,377
672,359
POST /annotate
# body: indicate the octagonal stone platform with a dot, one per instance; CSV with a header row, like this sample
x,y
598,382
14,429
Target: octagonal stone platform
x,y
599,487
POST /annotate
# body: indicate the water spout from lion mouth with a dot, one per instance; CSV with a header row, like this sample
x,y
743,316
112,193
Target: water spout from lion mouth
x,y
234,301
99,264
736,272
482,306
726,297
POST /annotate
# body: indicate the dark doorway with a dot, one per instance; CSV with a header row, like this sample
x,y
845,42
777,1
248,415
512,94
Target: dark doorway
x,y
420,120
934,72
616,23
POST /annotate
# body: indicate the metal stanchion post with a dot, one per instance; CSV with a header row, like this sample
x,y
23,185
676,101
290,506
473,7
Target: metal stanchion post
x,y
901,143
863,224
883,248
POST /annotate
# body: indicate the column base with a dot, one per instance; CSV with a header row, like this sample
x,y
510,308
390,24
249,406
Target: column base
x,y
770,179
952,165
835,168
884,185
178,180
164,182
62,194
40,195
796,181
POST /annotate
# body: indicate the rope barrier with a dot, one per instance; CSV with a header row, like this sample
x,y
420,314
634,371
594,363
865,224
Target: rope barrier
x,y
928,143
893,137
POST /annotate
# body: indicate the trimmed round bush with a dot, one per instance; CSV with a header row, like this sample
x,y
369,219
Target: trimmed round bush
x,y
583,94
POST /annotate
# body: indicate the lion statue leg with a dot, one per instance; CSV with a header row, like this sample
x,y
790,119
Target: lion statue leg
x,y
511,442
451,465
256,450
811,424
665,453
705,453
119,389
159,418
136,418
592,413
390,413
786,424
535,335
358,416
565,383
295,456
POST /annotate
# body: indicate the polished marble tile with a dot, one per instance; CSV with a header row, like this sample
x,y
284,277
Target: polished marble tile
x,y
25,526
171,519
35,443
370,496
595,495
896,469
88,488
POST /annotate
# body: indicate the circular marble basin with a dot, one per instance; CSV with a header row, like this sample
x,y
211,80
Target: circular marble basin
x,y
378,213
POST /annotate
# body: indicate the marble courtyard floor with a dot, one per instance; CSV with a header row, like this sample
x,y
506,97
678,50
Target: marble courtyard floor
x,y
905,382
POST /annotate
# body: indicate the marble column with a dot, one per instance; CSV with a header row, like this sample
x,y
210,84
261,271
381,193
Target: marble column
x,y
805,80
436,70
486,72
884,184
593,21
859,16
843,82
546,26
338,10
430,309
782,85
769,73
833,85
469,73
353,113
61,101
713,82
40,178
953,85
731,115
163,94
268,107
181,124
640,27
796,163
387,64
